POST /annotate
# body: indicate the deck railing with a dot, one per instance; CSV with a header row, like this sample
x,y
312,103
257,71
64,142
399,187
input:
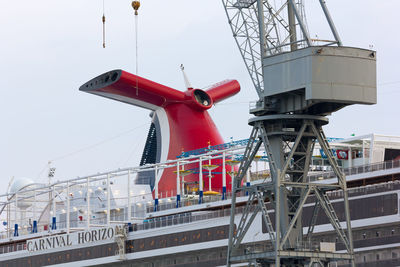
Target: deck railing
x,y
170,203
367,168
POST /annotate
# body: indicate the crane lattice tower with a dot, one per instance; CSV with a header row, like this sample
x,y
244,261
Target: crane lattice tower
x,y
299,82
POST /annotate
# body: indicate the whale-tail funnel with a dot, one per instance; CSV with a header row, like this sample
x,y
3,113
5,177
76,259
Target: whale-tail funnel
x,y
180,121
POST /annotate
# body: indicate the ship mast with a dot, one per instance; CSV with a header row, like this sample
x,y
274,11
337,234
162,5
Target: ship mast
x,y
298,83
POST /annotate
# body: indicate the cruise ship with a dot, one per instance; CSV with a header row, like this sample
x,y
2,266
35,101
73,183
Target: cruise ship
x,y
174,209
109,219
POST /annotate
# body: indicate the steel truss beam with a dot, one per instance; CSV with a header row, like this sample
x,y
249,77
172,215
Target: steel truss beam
x,y
288,141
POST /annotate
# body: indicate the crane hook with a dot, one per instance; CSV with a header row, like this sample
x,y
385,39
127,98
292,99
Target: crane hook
x,y
136,5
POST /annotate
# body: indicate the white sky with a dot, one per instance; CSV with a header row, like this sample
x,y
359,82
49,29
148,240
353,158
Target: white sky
x,y
48,48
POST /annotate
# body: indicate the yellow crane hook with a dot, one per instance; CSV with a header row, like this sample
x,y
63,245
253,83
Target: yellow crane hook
x,y
136,5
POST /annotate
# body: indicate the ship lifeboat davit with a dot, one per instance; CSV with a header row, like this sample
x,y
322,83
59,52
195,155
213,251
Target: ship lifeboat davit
x,y
180,121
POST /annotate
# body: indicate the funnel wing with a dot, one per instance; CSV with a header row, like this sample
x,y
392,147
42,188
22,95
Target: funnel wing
x,y
132,89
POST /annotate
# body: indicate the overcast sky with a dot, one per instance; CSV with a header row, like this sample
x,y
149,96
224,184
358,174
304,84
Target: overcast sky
x,y
48,48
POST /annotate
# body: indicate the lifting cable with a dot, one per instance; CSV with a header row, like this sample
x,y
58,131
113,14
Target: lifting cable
x,y
135,6
103,19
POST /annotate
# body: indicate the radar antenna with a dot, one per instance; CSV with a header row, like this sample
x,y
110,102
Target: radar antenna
x,y
298,83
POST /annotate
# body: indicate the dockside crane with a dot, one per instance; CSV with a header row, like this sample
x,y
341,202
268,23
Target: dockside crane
x,y
299,81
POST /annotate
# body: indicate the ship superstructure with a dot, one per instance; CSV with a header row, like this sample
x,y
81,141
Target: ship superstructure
x,y
97,223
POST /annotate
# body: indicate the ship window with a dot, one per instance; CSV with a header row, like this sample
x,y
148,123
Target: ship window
x,y
364,258
394,255
377,257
